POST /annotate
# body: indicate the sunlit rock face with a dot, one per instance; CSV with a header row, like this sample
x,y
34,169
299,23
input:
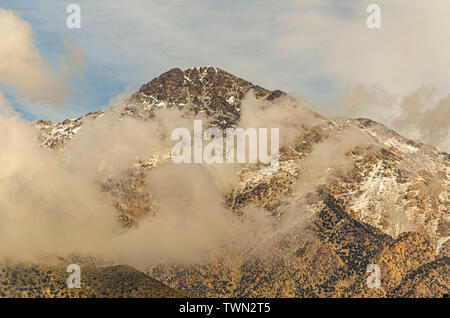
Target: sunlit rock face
x,y
382,201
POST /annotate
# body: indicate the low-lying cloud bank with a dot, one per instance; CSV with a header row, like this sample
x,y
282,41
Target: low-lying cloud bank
x,y
51,201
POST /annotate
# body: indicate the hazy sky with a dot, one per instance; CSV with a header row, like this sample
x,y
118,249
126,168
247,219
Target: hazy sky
x,y
312,48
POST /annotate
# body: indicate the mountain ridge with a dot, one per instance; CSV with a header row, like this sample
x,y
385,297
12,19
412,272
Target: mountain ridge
x,y
394,187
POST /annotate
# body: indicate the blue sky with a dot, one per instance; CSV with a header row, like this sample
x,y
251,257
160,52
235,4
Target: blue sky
x,y
312,48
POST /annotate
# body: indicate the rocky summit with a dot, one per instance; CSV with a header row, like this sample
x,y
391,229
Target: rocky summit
x,y
387,205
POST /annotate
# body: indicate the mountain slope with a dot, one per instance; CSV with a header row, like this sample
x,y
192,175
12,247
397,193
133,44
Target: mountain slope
x,y
49,280
371,200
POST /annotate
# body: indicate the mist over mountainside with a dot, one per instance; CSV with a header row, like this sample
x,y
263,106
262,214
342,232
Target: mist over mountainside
x,y
352,201
348,193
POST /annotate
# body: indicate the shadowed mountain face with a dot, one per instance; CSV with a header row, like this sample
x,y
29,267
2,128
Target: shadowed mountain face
x,y
49,280
372,196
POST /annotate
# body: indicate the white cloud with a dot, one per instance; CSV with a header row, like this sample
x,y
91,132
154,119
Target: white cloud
x,y
410,50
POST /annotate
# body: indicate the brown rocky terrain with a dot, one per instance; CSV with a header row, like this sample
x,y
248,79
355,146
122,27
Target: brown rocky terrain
x,y
388,205
47,280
